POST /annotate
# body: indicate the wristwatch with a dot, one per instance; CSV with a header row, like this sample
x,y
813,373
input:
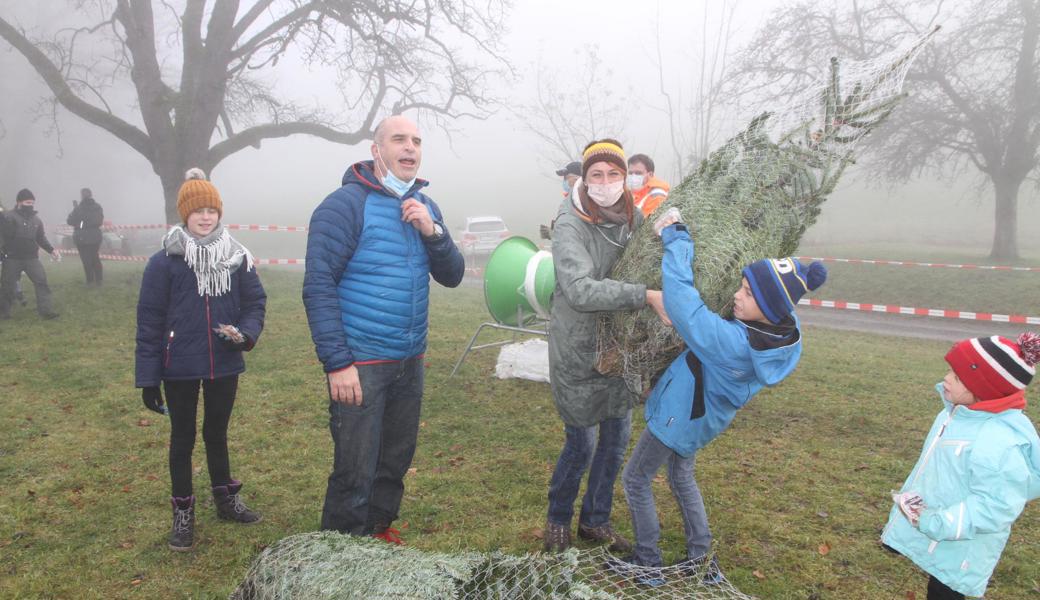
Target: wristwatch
x,y
438,232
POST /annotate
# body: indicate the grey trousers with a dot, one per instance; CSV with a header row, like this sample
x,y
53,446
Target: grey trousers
x,y
639,472
9,275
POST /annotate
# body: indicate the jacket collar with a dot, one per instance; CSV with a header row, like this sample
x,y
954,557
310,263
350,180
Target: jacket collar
x,y
363,173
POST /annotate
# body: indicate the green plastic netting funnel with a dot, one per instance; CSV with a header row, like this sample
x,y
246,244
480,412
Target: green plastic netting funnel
x,y
518,282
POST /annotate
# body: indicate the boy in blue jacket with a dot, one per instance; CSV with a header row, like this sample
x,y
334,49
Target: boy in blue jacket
x,y
726,362
979,466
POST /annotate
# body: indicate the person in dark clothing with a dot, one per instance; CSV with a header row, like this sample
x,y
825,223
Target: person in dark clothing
x,y
23,235
86,219
201,306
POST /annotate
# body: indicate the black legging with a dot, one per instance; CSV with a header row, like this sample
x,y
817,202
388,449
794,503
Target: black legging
x,y
88,254
937,590
182,398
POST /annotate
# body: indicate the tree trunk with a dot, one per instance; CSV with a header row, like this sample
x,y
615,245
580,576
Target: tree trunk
x,y
171,184
1005,221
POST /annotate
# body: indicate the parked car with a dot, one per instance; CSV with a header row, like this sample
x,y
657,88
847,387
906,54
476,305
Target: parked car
x,y
480,236
111,242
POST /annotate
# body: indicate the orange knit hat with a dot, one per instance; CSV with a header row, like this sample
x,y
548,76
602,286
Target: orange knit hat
x,y
197,193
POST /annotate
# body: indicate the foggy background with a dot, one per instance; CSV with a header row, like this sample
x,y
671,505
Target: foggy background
x,y
489,167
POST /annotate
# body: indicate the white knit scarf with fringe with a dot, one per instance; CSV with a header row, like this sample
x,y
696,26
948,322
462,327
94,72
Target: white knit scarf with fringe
x,y
213,258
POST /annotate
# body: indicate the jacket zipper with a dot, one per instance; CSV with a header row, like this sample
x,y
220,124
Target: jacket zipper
x,y
931,448
169,342
209,338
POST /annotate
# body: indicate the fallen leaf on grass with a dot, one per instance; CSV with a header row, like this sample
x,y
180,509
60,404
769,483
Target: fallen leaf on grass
x,y
126,545
438,454
538,533
137,579
456,448
860,468
144,423
822,514
911,596
151,477
758,574
659,478
126,489
413,471
824,549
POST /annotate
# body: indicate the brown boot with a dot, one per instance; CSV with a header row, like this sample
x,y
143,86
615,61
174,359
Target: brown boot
x,y
557,537
605,533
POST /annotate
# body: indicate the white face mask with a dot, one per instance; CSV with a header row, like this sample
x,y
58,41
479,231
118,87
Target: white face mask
x,y
635,182
605,194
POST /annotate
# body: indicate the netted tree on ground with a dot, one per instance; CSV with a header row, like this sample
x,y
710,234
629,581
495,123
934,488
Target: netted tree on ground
x,y
330,565
752,198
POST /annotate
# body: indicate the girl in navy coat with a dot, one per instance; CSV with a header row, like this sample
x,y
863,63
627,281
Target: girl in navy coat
x,y
201,306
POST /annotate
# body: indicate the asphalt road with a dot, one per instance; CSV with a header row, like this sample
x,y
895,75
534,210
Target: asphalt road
x,y
931,328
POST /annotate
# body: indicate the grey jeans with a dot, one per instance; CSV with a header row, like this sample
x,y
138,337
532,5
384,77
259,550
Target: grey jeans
x,y
639,472
11,272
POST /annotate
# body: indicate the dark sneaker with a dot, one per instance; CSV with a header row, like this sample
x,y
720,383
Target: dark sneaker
x,y
628,567
557,537
230,506
703,567
182,534
605,534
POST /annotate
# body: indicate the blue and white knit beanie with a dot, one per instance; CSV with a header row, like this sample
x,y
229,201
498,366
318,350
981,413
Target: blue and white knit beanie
x,y
778,284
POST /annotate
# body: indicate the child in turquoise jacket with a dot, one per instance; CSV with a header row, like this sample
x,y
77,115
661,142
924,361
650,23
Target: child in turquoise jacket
x,y
979,466
726,362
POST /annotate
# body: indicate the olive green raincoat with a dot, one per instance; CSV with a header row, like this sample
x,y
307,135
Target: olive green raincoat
x,y
583,255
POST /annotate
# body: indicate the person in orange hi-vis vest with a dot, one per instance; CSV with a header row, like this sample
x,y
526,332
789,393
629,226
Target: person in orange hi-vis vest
x,y
649,191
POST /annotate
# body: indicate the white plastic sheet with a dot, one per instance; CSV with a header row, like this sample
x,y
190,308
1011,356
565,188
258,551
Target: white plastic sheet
x,y
524,360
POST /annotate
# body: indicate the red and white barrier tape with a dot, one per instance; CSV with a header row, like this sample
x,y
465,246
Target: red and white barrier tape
x,y
927,312
258,261
231,226
907,263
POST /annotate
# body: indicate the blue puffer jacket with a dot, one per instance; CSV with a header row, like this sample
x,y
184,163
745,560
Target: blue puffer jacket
x,y
175,339
736,359
367,284
975,474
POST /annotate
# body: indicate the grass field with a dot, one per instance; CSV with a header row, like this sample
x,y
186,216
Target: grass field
x,y
796,490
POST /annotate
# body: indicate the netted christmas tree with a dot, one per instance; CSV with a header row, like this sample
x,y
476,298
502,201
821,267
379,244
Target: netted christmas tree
x,y
330,565
752,198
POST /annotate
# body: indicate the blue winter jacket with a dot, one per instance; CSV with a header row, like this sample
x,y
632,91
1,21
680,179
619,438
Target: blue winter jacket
x,y
175,338
367,284
975,474
732,370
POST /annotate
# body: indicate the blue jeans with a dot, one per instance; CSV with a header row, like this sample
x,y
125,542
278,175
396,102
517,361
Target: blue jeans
x,y
642,466
373,447
602,459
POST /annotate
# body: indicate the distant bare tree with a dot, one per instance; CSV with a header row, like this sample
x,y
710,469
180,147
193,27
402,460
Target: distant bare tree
x,y
203,77
975,93
572,107
693,119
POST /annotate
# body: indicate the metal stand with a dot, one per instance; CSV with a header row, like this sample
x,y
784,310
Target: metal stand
x,y
520,318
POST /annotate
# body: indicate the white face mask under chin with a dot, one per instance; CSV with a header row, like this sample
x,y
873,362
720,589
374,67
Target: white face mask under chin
x,y
605,194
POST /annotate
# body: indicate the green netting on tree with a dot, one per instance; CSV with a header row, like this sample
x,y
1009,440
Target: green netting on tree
x,y
332,565
752,198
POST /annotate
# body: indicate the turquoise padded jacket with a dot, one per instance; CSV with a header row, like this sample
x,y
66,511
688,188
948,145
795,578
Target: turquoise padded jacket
x,y
732,369
975,474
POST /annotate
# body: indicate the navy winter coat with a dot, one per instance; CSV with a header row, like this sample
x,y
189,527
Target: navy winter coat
x,y
175,338
366,288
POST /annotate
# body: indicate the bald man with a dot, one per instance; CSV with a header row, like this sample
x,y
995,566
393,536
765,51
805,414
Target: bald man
x,y
371,248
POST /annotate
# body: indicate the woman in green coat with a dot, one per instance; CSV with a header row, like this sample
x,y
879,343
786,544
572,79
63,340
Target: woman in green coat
x,y
588,239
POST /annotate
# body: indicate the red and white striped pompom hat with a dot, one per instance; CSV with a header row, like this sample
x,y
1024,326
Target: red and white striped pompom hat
x,y
995,367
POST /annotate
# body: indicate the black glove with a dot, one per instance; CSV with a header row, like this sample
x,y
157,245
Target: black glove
x,y
153,401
